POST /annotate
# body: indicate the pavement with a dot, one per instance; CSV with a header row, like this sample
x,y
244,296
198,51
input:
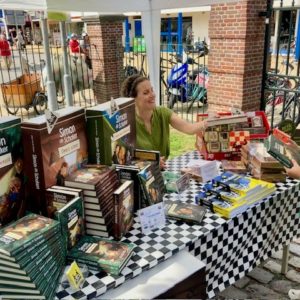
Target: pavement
x,y
266,280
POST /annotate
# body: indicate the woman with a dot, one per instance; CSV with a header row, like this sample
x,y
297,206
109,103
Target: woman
x,y
152,122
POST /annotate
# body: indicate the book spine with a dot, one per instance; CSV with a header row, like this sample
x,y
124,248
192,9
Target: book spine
x,y
33,168
117,225
94,135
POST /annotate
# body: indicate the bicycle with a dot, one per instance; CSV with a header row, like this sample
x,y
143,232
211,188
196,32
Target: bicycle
x,y
130,69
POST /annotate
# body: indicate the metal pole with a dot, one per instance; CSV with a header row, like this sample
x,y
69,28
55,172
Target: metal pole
x,y
67,77
51,90
266,51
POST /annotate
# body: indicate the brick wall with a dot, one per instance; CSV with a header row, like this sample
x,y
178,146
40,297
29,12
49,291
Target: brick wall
x,y
236,55
105,34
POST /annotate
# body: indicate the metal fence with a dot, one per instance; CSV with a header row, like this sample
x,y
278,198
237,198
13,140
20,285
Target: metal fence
x,y
23,88
281,89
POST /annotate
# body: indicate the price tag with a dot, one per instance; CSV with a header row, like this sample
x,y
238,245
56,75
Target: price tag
x,y
152,217
75,276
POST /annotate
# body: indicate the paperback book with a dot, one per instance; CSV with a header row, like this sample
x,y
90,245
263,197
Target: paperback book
x,y
12,196
111,256
111,131
51,157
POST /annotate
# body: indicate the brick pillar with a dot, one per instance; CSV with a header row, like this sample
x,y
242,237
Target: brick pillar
x,y
105,33
235,61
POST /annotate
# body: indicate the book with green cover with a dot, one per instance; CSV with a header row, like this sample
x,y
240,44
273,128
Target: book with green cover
x,y
12,180
111,131
110,255
71,218
24,232
186,212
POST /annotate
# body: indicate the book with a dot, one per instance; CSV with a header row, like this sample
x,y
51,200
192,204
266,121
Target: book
x,y
97,233
152,184
71,218
234,166
112,256
89,177
111,132
58,198
176,182
123,209
186,212
24,232
278,150
12,180
50,157
146,155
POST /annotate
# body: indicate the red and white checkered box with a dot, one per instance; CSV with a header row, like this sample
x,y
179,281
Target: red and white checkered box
x,y
237,139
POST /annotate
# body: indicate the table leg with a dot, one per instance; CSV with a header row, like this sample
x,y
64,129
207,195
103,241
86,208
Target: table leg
x,y
285,259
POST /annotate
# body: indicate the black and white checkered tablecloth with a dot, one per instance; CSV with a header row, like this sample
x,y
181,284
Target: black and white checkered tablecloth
x,y
229,248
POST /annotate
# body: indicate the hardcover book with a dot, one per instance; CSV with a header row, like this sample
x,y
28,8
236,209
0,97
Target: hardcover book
x,y
186,212
111,132
71,218
111,256
89,177
152,184
22,233
51,157
123,209
12,196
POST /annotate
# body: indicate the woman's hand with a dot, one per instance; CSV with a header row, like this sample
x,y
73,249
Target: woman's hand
x,y
293,172
162,163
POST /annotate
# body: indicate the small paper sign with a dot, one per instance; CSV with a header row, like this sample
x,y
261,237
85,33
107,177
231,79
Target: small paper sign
x,y
152,217
51,119
75,276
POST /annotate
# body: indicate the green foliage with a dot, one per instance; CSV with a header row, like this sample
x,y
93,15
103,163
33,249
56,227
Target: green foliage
x,y
181,143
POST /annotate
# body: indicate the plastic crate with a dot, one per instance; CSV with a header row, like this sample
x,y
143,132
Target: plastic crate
x,y
231,155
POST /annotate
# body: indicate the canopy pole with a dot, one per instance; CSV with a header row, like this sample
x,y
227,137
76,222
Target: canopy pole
x,y
67,77
151,31
51,90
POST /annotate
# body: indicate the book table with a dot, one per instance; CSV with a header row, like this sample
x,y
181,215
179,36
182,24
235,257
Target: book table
x,y
229,248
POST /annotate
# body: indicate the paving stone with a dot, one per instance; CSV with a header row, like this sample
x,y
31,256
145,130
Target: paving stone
x,y
273,266
295,261
281,286
296,240
234,293
277,255
261,275
259,291
295,249
293,275
242,282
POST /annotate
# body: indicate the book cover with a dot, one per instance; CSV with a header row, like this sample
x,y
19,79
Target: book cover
x,y
123,209
57,199
186,212
71,218
23,232
110,255
51,157
146,155
152,184
89,177
111,133
12,180
223,120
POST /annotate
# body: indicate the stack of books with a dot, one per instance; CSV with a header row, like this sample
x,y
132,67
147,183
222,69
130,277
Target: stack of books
x,y
32,257
98,183
101,254
261,164
230,194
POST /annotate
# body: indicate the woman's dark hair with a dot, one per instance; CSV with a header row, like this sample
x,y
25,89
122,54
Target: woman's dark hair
x,y
130,84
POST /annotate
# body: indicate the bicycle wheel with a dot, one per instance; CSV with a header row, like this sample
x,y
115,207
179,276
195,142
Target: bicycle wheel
x,y
39,103
292,111
10,105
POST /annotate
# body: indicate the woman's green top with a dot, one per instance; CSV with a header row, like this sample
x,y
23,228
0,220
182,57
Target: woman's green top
x,y
159,138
